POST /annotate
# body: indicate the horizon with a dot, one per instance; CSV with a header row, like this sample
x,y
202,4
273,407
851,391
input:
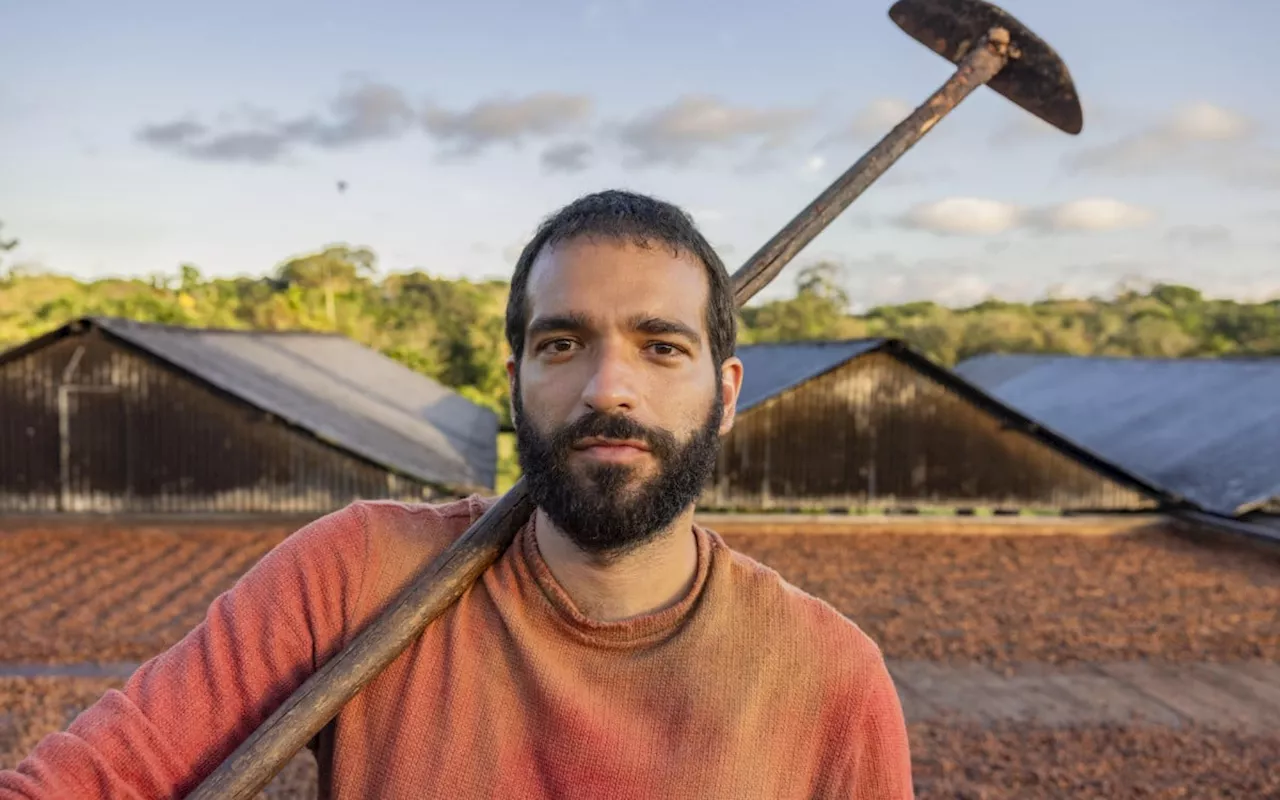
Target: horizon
x,y
855,309
234,139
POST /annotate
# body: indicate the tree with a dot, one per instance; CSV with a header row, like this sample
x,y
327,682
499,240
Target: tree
x,y
818,311
337,268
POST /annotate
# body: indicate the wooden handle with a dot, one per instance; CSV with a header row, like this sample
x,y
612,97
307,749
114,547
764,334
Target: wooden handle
x,y
319,699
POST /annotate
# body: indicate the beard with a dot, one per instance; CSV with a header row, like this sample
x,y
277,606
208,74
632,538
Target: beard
x,y
602,508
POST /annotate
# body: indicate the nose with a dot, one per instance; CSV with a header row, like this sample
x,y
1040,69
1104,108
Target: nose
x,y
612,385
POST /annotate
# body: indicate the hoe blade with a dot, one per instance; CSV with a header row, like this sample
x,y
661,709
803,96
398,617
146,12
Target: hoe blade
x,y
1037,80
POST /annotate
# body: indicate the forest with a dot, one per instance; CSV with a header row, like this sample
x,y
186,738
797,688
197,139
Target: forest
x,y
452,329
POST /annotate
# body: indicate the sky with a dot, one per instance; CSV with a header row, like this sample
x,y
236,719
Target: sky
x,y
139,136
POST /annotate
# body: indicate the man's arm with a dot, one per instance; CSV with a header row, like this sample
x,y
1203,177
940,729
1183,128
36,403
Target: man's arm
x,y
184,711
879,763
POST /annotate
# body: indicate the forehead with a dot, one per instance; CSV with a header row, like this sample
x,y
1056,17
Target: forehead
x,y
608,279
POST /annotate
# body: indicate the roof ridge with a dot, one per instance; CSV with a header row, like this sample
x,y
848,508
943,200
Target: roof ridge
x,y
107,321
1123,359
816,342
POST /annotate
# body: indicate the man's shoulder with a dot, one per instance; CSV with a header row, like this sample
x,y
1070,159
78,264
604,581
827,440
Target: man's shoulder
x,y
808,625
402,538
819,665
415,531
440,518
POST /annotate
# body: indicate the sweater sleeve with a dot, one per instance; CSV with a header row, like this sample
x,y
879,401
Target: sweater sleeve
x,y
185,710
879,763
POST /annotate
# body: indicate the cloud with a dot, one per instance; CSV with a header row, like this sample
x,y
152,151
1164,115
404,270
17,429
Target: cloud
x,y
975,216
505,120
566,157
1159,145
962,216
677,133
1201,137
358,113
1205,122
1199,236
1119,275
367,112
885,279
178,132
256,146
1090,214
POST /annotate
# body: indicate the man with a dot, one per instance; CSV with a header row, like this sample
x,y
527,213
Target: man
x,y
616,650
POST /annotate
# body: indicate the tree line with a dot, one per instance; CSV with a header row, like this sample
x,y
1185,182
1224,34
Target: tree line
x,y
452,329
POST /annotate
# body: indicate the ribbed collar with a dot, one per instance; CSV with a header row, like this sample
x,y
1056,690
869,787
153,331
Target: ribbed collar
x,y
629,633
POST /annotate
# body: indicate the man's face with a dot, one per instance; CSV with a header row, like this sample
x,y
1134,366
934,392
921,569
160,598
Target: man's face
x,y
618,404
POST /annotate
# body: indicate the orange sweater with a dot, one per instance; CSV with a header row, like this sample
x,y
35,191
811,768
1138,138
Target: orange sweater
x,y
747,688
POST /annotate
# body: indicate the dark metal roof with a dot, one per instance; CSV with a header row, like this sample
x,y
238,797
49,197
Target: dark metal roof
x,y
772,368
338,390
1206,430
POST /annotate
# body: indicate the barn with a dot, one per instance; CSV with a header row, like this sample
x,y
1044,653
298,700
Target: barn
x,y
106,415
873,425
1205,431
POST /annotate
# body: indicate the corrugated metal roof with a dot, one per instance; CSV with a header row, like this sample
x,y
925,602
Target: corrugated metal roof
x,y
772,368
343,392
1207,430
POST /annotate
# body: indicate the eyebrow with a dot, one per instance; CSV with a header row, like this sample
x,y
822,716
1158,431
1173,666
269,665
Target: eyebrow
x,y
644,323
572,321
657,326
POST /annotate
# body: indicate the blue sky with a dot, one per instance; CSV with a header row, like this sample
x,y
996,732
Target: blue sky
x,y
139,136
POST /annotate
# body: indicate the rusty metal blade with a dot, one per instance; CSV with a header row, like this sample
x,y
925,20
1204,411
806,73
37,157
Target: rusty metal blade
x,y
1037,80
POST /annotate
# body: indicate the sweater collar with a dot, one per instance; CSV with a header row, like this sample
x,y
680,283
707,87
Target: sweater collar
x,y
633,632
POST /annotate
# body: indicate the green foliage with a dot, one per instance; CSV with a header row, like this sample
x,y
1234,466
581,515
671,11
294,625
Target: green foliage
x,y
818,311
452,330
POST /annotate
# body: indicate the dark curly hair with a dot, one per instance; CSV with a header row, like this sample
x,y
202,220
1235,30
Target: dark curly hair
x,y
643,220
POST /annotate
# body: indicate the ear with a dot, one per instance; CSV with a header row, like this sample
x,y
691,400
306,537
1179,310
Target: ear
x,y
730,387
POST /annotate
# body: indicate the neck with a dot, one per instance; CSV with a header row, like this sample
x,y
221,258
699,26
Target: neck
x,y
643,581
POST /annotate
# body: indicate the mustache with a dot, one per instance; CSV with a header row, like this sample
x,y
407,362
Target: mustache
x,y
614,426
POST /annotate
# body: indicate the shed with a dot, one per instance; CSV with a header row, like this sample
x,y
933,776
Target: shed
x,y
873,425
106,415
1206,431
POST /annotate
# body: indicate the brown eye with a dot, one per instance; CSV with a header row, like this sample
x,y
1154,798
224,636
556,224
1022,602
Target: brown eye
x,y
558,345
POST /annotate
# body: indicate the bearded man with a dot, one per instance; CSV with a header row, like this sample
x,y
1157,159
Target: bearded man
x,y
616,650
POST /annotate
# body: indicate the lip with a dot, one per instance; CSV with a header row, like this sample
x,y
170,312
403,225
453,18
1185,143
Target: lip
x,y
611,449
594,442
